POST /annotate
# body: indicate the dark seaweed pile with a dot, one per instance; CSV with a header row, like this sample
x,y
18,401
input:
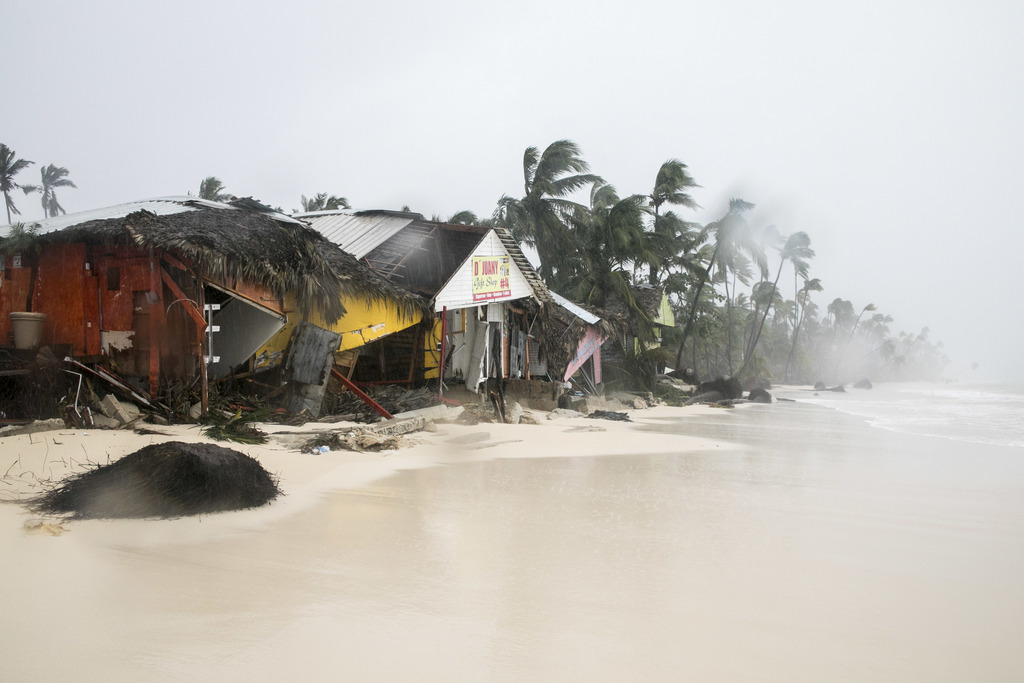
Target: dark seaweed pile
x,y
173,479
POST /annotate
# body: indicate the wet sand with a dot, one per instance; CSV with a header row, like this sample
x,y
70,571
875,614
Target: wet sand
x,y
778,543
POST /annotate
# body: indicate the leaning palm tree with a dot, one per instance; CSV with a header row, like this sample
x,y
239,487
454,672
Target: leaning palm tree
x,y
671,186
731,233
608,237
51,177
10,167
803,301
322,201
539,217
213,189
797,250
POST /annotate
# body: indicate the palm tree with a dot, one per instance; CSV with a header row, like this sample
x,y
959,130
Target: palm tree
x,y
10,167
671,186
797,249
52,177
464,217
608,238
866,309
731,234
538,219
321,201
803,300
213,189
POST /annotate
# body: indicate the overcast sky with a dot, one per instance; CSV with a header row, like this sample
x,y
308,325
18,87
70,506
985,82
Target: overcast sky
x,y
889,131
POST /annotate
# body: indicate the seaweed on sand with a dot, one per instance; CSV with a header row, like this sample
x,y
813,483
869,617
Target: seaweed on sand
x,y
172,479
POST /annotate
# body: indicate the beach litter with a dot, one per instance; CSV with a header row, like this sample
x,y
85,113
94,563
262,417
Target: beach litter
x,y
172,479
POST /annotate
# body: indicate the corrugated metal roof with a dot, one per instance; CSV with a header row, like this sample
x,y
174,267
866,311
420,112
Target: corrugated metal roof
x,y
577,310
160,206
163,206
356,234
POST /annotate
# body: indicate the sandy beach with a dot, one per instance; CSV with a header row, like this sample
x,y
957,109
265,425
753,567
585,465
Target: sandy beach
x,y
783,542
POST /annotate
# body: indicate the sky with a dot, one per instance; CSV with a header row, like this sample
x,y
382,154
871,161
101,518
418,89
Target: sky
x,y
890,132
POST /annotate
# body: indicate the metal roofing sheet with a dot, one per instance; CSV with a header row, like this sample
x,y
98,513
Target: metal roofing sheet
x,y
577,310
358,235
162,206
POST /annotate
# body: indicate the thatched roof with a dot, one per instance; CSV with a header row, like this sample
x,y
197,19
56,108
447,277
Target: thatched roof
x,y
241,244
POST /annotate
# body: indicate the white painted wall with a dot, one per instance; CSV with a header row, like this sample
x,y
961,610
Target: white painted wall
x,y
458,291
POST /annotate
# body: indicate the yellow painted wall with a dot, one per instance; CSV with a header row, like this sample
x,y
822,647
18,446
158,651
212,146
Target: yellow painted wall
x,y
363,323
432,351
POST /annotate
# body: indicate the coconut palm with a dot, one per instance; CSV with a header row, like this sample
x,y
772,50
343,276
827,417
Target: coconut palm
x,y
671,186
731,234
608,237
321,201
803,300
539,217
10,166
51,177
213,189
797,250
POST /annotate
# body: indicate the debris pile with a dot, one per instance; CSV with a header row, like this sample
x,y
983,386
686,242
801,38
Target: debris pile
x,y
172,479
343,405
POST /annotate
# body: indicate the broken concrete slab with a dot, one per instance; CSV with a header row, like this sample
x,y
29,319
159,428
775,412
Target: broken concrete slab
x,y
104,422
563,412
439,412
395,427
33,427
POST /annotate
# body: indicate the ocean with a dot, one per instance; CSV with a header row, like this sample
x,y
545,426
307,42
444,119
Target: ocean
x,y
982,413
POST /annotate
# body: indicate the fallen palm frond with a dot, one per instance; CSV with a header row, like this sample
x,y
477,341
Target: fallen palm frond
x,y
172,479
239,427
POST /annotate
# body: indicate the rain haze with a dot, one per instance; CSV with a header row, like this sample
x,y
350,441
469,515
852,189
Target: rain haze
x,y
889,132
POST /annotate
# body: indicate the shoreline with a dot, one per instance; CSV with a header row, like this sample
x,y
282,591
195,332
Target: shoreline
x,y
36,460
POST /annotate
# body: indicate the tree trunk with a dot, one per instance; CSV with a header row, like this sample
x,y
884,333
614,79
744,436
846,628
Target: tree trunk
x,y
693,305
767,308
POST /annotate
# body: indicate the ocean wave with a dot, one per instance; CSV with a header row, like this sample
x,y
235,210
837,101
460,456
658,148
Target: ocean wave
x,y
974,414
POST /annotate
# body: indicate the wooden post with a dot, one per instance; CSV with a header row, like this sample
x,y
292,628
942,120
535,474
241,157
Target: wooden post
x,y
444,351
204,397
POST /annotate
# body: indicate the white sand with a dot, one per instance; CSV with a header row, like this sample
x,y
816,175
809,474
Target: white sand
x,y
459,559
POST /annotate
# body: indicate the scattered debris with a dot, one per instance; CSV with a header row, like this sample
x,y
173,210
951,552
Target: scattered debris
x,y
172,479
32,427
43,528
609,415
393,398
239,427
562,412
381,436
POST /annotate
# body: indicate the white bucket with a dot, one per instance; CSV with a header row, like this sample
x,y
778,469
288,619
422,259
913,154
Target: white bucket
x,y
28,329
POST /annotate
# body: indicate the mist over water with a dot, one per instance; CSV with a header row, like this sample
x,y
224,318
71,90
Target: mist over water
x,y
973,413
